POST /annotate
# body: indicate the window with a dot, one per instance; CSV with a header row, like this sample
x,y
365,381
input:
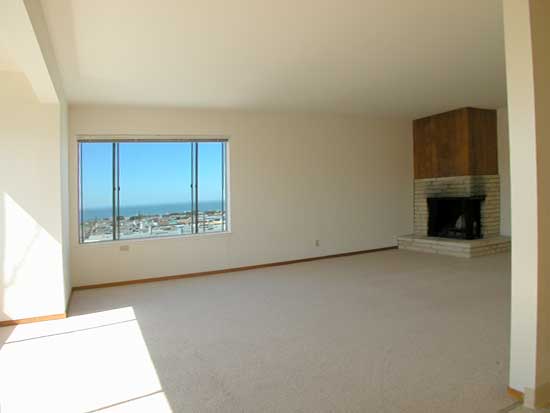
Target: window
x,y
150,189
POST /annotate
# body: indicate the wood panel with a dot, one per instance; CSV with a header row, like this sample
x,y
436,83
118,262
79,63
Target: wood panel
x,y
461,142
483,142
6,323
451,144
516,394
423,148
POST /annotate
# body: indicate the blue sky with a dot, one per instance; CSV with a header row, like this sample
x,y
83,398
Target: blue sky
x,y
150,173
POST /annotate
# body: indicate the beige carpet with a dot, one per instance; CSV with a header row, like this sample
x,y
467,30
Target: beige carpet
x,y
388,332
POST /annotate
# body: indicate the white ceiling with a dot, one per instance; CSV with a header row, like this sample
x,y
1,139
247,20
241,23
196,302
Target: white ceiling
x,y
385,57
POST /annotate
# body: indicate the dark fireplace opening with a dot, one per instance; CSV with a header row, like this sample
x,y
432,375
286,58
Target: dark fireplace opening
x,y
455,217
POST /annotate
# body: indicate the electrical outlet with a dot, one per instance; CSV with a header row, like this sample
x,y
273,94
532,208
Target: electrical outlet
x,y
317,243
124,248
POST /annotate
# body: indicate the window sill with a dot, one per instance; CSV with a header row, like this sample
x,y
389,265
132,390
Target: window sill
x,y
155,239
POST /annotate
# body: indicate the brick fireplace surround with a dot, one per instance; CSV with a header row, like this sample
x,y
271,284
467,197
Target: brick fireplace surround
x,y
461,144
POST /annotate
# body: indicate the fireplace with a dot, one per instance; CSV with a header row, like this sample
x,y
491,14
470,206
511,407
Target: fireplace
x,y
456,185
455,217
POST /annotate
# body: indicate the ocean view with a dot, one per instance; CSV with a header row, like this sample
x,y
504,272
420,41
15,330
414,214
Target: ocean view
x,y
155,201
159,209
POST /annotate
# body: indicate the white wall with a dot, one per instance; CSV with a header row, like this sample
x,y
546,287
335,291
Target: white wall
x,y
31,261
523,194
504,171
540,34
346,181
527,34
46,58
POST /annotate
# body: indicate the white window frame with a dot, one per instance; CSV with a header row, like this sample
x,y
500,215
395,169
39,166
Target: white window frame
x,y
152,139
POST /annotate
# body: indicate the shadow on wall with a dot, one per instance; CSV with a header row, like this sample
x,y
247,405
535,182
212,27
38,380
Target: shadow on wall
x,y
31,271
30,264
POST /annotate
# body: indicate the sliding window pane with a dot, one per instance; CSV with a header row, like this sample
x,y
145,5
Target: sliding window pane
x,y
212,204
96,191
155,189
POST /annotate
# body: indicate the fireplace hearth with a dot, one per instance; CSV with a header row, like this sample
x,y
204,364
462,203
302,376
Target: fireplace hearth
x,y
455,217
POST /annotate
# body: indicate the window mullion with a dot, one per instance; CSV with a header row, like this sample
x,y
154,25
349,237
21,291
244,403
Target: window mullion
x,y
116,192
192,185
196,183
81,193
223,206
